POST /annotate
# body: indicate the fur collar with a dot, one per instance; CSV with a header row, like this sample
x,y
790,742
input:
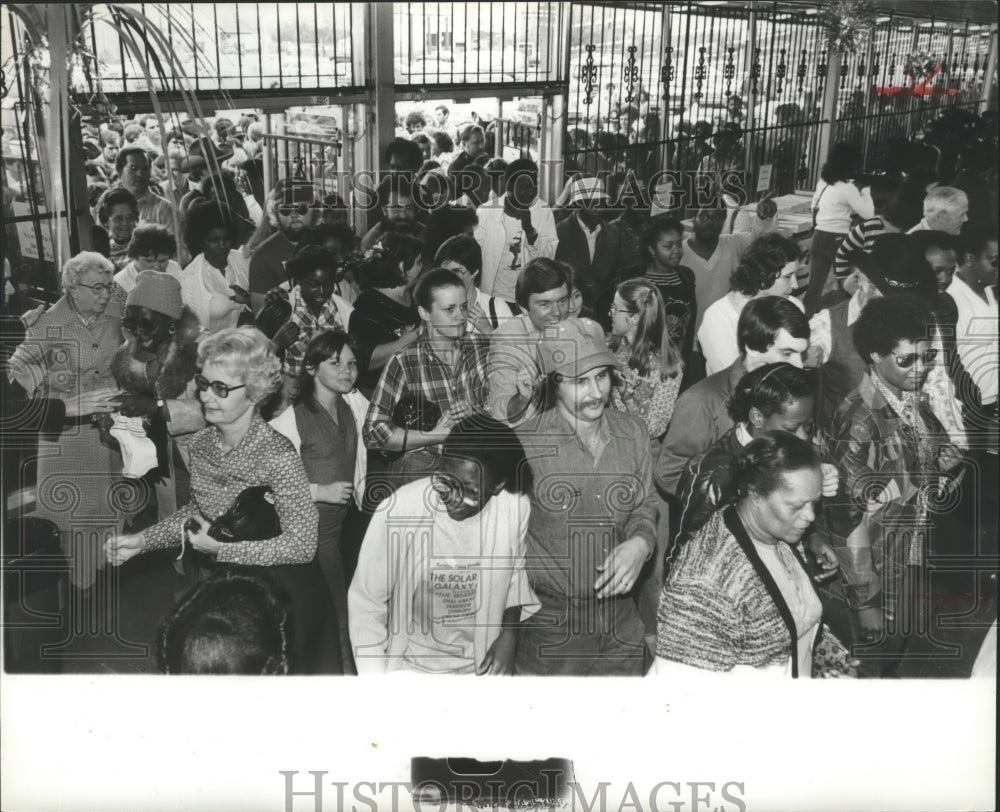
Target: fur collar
x,y
179,362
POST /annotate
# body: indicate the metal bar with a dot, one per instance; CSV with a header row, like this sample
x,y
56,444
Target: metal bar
x,y
991,69
281,70
750,114
239,46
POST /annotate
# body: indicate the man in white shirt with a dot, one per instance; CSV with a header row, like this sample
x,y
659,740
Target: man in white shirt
x,y
518,229
134,166
973,288
945,209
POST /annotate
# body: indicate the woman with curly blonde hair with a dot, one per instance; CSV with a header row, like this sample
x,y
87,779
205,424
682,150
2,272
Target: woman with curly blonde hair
x,y
239,450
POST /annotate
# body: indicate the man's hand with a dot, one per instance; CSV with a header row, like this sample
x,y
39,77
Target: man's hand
x,y
499,659
335,493
621,568
240,295
120,549
831,479
527,383
479,319
813,357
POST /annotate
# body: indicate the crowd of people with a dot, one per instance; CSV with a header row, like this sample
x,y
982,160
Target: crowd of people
x,y
490,435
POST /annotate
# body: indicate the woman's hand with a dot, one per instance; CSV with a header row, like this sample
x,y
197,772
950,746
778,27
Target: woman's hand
x,y
621,568
499,659
527,384
120,549
825,558
335,493
408,335
199,537
831,479
872,623
98,401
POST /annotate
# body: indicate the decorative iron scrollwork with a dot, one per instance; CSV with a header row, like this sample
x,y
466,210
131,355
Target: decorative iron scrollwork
x,y
699,72
845,69
800,73
631,74
588,74
667,71
779,72
821,71
892,65
755,71
729,71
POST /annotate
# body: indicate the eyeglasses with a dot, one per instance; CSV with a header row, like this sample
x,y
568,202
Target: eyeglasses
x,y
908,360
451,490
614,311
98,289
219,389
287,211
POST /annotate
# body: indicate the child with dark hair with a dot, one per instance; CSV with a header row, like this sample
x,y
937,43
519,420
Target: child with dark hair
x,y
324,424
459,536
664,248
232,624
315,307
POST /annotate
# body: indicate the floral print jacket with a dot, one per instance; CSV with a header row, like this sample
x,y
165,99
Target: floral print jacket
x,y
646,396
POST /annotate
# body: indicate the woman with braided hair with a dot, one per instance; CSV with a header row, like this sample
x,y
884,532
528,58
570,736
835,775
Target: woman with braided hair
x,y
768,268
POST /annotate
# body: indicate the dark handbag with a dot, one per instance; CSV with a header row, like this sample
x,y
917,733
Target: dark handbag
x,y
252,517
416,413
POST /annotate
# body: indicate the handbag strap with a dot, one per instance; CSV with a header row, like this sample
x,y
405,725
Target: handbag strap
x,y
818,199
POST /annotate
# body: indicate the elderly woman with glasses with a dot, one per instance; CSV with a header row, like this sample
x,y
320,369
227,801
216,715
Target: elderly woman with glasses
x,y
67,355
237,451
441,585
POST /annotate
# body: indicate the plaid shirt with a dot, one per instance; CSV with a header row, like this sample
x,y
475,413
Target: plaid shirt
x,y
418,371
309,325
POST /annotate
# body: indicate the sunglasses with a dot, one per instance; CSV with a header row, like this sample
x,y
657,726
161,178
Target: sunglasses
x,y
99,288
219,389
451,490
908,360
301,209
144,326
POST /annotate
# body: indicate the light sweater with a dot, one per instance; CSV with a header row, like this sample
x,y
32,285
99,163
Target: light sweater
x,y
838,202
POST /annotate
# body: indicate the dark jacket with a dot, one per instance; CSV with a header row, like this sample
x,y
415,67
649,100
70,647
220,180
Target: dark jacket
x,y
596,279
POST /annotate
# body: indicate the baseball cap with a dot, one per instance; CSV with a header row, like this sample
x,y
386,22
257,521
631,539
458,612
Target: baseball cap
x,y
573,347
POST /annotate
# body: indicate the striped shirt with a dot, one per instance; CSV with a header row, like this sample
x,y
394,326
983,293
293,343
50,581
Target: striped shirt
x,y
860,239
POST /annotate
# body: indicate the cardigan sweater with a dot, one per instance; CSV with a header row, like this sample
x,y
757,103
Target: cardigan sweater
x,y
720,606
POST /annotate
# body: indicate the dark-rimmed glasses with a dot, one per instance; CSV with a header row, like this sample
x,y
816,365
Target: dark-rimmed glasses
x,y
99,288
219,389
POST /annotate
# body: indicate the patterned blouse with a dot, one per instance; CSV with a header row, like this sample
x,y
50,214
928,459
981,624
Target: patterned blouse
x,y
264,457
647,397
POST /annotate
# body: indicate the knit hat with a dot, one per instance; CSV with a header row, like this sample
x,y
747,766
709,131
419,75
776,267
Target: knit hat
x,y
159,291
574,347
587,189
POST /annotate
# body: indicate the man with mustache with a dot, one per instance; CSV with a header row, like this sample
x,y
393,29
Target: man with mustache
x,y
592,525
291,208
398,204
